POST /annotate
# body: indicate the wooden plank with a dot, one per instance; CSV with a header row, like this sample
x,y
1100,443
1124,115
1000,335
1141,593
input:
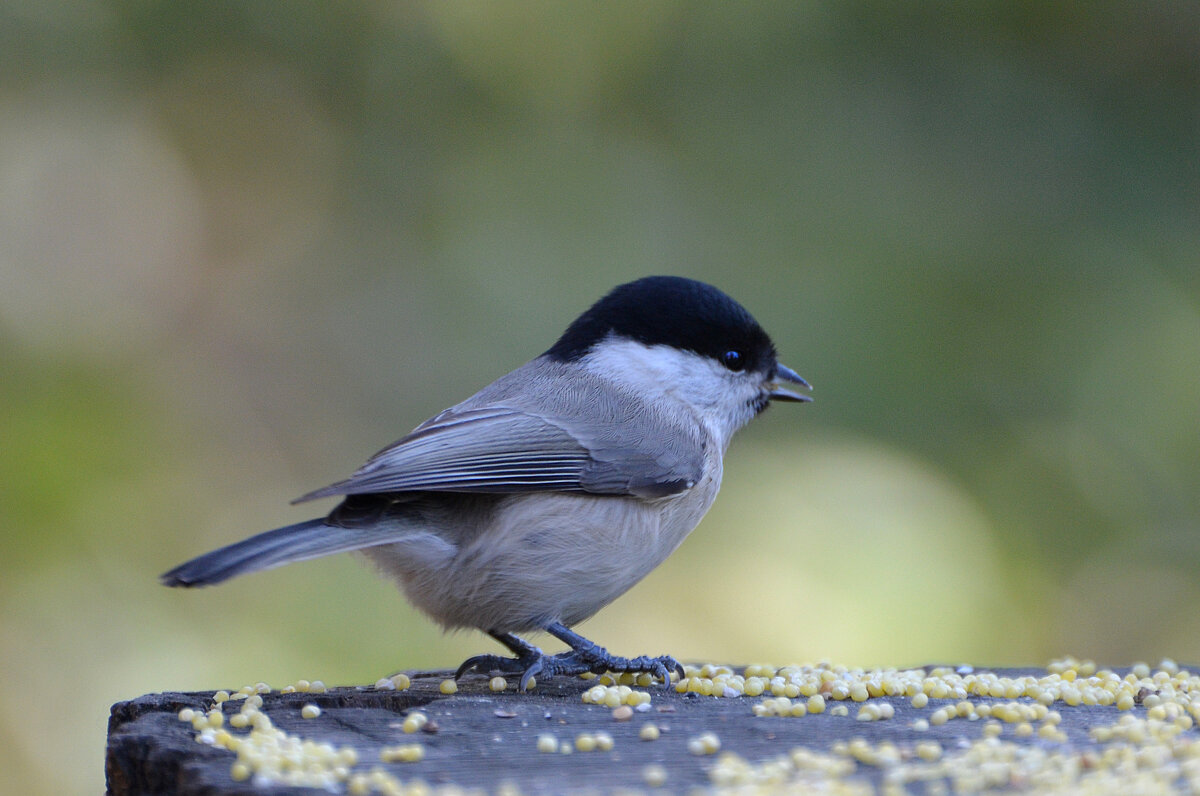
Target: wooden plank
x,y
477,738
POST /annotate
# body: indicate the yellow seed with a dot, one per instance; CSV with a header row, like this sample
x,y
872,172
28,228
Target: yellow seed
x,y
239,720
992,729
215,718
623,713
317,687
654,775
448,687
187,714
706,743
221,696
401,681
403,753
858,692
1050,733
604,742
547,743
920,700
816,704
920,725
929,750
649,732
497,684
414,721
585,742
310,711
303,686
239,772
1023,729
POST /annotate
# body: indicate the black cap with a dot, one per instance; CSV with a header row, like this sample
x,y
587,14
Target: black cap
x,y
672,311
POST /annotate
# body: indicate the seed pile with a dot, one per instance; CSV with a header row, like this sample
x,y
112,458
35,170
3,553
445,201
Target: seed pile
x,y
266,753
615,696
1154,752
1008,731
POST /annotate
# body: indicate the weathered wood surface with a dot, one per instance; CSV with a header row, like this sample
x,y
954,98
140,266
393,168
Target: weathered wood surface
x,y
485,739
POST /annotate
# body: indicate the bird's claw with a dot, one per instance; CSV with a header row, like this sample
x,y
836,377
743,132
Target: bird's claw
x,y
583,657
598,660
571,663
526,666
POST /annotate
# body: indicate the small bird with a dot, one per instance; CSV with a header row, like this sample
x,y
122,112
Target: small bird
x,y
552,491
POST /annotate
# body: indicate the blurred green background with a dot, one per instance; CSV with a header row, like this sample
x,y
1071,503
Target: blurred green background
x,y
242,247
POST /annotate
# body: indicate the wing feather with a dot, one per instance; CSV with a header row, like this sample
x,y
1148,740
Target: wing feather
x,y
494,443
489,450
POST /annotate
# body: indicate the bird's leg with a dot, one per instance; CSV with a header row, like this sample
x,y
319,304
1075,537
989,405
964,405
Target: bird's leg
x,y
528,662
586,656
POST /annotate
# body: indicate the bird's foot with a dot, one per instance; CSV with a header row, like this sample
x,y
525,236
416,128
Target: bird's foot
x,y
598,660
587,656
529,661
526,667
584,656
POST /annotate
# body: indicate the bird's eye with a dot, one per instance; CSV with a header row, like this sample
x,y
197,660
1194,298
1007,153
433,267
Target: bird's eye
x,y
733,360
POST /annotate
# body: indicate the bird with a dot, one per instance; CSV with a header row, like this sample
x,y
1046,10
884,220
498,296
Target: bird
x,y
549,493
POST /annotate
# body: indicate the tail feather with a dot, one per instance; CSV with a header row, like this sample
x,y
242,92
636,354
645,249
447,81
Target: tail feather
x,y
275,548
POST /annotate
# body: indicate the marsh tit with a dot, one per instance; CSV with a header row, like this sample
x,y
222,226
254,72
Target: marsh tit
x,y
549,493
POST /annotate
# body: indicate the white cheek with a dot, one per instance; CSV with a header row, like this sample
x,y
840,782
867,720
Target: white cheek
x,y
721,399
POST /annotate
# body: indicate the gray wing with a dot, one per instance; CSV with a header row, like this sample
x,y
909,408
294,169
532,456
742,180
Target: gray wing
x,y
593,443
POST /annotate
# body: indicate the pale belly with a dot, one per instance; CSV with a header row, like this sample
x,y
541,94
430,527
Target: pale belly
x,y
555,557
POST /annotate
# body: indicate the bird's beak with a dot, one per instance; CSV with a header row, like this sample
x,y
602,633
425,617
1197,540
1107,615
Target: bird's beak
x,y
785,374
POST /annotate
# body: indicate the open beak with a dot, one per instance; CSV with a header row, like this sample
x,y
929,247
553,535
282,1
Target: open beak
x,y
785,374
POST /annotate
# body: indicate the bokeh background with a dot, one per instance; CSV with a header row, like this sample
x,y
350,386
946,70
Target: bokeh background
x,y
243,246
